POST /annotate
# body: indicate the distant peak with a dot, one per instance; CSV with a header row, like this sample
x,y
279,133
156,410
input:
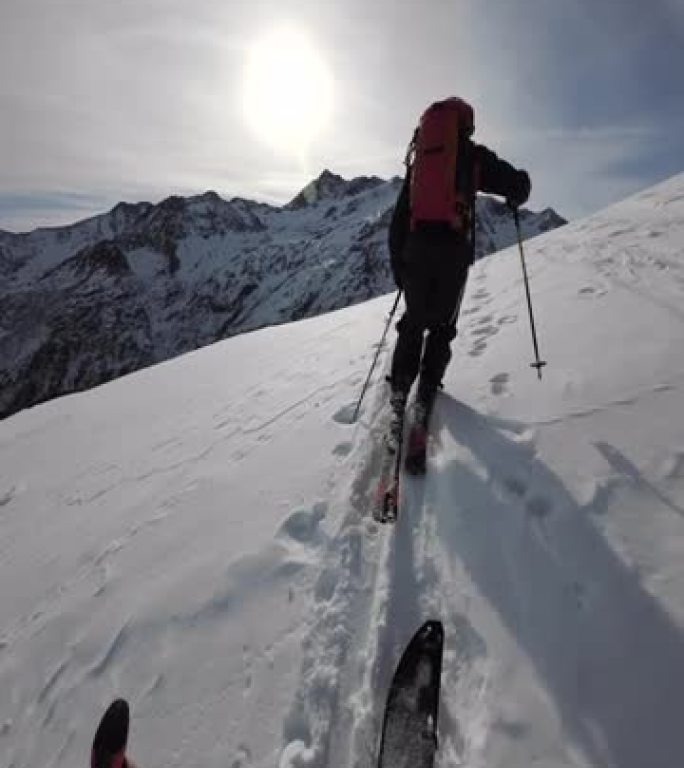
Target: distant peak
x,y
210,196
123,207
173,203
325,185
327,175
329,186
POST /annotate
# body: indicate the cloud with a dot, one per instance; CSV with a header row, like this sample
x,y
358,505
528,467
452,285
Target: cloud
x,y
581,170
43,210
111,88
587,95
137,99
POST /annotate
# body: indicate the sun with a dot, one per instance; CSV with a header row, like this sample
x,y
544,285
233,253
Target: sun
x,y
287,94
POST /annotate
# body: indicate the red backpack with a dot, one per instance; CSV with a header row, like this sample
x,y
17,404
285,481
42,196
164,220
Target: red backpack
x,y
435,197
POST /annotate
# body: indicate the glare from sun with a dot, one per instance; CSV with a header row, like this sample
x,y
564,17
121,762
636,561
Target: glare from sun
x,y
287,90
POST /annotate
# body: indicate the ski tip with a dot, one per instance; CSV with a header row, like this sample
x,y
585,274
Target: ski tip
x,y
109,744
432,631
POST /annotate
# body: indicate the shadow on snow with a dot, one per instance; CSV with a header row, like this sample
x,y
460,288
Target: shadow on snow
x,y
604,648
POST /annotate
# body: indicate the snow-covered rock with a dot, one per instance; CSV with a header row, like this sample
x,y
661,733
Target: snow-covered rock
x,y
86,303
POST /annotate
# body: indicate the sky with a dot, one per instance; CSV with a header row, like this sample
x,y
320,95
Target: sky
x,y
134,100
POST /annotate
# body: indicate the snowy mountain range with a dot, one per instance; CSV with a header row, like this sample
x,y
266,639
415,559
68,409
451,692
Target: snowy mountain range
x,y
196,537
86,303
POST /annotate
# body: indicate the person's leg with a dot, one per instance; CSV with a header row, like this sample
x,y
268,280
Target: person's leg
x,y
407,353
447,297
411,327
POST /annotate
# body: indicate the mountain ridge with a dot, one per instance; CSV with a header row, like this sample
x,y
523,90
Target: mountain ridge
x,y
144,282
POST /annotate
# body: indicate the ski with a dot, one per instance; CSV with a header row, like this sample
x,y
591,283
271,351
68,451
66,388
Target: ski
x,y
111,737
416,451
409,729
386,498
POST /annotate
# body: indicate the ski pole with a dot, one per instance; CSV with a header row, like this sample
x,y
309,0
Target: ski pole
x,y
538,364
377,354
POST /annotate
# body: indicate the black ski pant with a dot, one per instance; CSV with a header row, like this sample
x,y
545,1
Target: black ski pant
x,y
434,273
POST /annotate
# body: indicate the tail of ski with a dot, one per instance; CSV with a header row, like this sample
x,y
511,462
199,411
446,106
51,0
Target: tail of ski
x,y
111,737
386,499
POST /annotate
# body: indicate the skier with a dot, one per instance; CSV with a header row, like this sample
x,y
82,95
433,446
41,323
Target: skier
x,y
431,243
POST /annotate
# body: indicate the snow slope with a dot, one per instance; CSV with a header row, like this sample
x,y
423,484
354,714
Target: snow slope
x,y
195,536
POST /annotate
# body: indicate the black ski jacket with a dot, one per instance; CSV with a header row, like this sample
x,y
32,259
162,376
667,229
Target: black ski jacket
x,y
483,172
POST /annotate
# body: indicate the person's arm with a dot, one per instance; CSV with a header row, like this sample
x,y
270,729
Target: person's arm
x,y
497,177
398,231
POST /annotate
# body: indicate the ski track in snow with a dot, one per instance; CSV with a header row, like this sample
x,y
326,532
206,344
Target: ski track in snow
x,y
377,584
384,590
325,710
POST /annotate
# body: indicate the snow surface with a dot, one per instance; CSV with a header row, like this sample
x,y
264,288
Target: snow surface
x,y
195,536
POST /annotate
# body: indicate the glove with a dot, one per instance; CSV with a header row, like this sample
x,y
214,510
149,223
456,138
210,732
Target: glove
x,y
520,192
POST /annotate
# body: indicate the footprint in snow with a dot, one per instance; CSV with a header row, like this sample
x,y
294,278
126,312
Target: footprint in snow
x,y
342,449
507,319
499,383
481,335
345,415
302,525
484,331
477,349
589,291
